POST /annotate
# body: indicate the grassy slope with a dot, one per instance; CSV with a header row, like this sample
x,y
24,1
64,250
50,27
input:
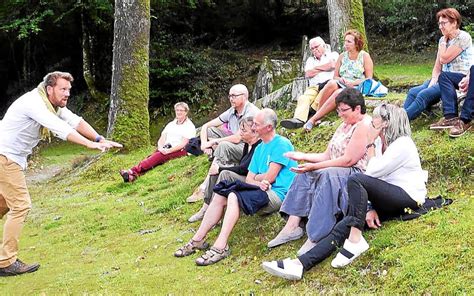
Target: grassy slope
x,y
85,231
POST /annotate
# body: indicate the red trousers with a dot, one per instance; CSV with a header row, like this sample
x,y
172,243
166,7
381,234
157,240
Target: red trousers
x,y
156,158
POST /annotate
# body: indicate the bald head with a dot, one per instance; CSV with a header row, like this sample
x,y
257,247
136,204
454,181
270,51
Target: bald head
x,y
239,89
238,96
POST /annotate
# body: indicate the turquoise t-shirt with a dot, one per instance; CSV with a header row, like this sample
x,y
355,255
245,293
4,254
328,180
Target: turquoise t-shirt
x,y
273,151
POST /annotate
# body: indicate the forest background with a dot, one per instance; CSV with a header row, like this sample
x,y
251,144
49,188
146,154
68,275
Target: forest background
x,y
197,48
94,234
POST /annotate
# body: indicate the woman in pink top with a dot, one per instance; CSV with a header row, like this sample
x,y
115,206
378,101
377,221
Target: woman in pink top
x,y
318,195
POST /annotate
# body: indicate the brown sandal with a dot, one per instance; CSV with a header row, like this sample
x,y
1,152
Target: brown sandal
x,y
191,247
212,256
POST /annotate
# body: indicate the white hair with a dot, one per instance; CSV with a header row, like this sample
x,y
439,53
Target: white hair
x,y
318,40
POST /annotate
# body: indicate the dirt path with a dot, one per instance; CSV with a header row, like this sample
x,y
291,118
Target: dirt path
x,y
43,174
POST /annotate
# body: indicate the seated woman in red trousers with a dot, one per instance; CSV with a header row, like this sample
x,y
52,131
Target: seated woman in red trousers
x,y
170,145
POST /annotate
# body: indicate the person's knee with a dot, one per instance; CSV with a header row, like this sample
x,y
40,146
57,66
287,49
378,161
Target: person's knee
x,y
222,151
219,200
304,99
213,132
413,92
327,172
225,175
331,84
223,146
232,201
355,180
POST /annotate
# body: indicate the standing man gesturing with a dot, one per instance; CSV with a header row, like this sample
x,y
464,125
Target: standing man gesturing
x,y
28,120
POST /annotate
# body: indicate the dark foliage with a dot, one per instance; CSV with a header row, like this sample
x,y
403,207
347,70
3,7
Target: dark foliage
x,y
410,24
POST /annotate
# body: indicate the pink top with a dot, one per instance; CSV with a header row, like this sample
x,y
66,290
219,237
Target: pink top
x,y
341,138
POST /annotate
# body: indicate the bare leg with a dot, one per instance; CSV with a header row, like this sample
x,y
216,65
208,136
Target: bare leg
x,y
211,217
354,236
328,90
292,223
324,96
230,219
327,107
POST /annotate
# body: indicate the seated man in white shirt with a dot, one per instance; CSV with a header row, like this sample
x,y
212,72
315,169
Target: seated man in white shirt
x,y
319,68
28,120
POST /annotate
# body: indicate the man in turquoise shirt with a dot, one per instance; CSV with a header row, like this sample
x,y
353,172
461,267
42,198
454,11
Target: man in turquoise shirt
x,y
265,187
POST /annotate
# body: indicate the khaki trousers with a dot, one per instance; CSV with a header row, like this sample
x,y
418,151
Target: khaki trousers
x,y
15,202
274,203
309,98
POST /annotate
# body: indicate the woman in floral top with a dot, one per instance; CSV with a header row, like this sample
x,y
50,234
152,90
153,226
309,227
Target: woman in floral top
x,y
352,68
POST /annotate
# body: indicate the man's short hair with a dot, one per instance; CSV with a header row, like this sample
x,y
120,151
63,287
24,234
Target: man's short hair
x,y
51,78
269,117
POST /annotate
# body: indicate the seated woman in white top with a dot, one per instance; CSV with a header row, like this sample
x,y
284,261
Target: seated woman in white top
x,y
392,183
171,144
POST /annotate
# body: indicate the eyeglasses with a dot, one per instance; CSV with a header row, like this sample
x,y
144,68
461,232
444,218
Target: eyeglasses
x,y
315,47
443,24
180,110
340,110
233,96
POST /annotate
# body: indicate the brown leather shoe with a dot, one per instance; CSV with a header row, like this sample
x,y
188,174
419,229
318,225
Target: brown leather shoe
x,y
17,268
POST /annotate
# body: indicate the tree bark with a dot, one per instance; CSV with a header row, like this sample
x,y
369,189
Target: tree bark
x,y
129,120
345,15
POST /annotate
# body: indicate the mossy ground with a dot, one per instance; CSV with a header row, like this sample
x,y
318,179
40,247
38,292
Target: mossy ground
x,y
94,234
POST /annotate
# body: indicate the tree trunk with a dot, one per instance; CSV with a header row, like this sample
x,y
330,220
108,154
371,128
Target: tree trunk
x,y
129,120
345,15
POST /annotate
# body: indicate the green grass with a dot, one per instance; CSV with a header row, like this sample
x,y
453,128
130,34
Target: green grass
x,y
85,227
403,76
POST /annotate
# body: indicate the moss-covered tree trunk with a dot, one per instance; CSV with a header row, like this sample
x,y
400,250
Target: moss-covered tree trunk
x,y
128,115
345,15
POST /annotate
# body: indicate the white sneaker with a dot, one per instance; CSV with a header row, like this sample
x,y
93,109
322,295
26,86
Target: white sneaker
x,y
285,269
308,245
349,252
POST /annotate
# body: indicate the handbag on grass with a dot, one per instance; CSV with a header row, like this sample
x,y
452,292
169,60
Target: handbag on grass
x,y
372,88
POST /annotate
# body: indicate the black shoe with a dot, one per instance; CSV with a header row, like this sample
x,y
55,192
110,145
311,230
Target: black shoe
x,y
124,175
18,268
292,123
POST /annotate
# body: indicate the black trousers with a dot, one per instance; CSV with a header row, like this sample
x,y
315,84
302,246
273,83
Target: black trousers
x,y
387,199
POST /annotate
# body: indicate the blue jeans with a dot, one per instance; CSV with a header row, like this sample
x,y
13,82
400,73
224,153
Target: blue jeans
x,y
420,98
448,83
